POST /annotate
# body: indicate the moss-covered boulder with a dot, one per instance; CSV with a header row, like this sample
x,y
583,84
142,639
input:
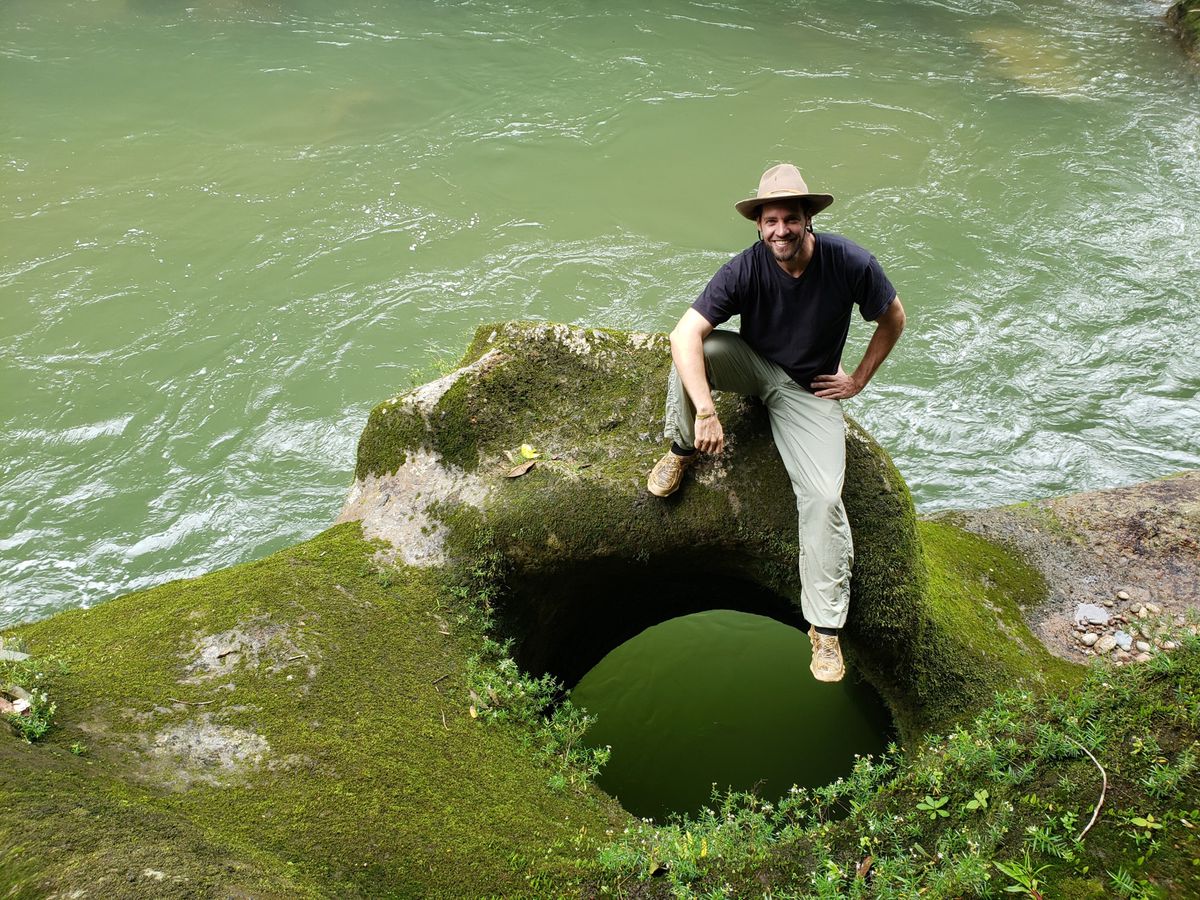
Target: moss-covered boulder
x,y
592,558
314,724
1184,17
297,726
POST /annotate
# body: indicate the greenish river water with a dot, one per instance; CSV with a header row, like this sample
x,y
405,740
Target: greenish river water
x,y
228,229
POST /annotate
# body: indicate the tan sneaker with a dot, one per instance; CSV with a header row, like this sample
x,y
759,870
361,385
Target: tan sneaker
x,y
827,662
667,474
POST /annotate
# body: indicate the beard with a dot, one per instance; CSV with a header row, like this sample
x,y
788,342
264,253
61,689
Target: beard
x,y
789,251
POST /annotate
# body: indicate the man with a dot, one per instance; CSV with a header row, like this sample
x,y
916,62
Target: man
x,y
795,291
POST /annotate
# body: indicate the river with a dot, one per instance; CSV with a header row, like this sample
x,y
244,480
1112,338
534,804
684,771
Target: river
x,y
227,229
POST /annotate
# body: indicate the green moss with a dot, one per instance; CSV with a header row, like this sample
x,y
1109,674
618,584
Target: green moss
x,y
392,430
367,790
1184,16
935,617
976,592
613,387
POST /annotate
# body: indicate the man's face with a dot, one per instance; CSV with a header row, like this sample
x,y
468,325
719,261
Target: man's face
x,y
783,226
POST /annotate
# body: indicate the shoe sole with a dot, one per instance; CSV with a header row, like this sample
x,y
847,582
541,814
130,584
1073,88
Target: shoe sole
x,y
651,489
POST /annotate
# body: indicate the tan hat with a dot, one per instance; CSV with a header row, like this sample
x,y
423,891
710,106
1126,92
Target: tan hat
x,y
782,182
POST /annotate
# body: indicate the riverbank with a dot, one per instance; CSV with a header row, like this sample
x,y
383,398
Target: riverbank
x,y
1121,566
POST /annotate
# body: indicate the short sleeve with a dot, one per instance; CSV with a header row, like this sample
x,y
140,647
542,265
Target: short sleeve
x,y
874,292
721,299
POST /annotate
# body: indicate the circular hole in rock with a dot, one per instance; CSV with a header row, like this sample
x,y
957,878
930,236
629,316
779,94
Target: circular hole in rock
x,y
721,700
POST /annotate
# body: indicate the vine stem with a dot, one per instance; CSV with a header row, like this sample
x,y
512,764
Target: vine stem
x,y
1103,787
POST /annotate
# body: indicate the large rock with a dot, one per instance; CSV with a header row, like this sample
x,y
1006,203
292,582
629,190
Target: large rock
x,y
592,558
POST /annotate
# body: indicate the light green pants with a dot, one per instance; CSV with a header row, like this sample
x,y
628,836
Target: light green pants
x,y
810,434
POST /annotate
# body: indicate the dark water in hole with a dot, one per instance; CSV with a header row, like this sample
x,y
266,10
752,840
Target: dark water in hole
x,y
723,698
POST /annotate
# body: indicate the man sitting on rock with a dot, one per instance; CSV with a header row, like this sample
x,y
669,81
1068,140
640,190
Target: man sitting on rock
x,y
794,290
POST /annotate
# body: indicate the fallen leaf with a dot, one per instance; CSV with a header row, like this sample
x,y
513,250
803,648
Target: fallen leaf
x,y
864,867
474,714
522,469
528,452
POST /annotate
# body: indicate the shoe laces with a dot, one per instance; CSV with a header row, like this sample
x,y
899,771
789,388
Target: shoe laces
x,y
674,465
826,648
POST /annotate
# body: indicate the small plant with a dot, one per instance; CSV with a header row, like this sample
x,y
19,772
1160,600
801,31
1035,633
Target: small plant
x,y
26,680
934,806
980,801
33,723
500,692
1024,875
1164,779
1147,822
1125,884
79,748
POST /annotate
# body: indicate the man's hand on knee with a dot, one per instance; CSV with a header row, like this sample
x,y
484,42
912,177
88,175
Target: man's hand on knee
x,y
710,436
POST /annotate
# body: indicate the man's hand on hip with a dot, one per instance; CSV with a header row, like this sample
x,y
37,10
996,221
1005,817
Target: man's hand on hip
x,y
710,436
835,387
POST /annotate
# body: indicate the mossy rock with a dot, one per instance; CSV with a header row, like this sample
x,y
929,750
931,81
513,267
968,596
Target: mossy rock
x,y
297,726
301,725
593,558
1184,17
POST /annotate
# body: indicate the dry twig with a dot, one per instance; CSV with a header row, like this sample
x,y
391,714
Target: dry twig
x,y
1103,786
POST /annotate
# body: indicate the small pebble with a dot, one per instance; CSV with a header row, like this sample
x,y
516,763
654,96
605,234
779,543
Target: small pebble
x,y
1089,640
1154,608
1106,643
1142,646
1108,603
1142,657
1122,595
1121,654
1168,645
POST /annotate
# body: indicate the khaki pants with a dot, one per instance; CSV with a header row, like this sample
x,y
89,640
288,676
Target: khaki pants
x,y
810,434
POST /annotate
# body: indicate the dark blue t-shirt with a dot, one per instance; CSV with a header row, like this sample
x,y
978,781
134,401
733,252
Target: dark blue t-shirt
x,y
799,323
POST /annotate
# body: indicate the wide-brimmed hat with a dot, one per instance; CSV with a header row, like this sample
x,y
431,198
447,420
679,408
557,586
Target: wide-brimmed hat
x,y
782,182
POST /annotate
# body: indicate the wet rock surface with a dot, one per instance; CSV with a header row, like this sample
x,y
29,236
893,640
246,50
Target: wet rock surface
x,y
1122,566
1184,18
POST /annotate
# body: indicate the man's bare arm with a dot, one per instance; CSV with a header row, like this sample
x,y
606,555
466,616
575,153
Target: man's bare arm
x,y
687,350
888,328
